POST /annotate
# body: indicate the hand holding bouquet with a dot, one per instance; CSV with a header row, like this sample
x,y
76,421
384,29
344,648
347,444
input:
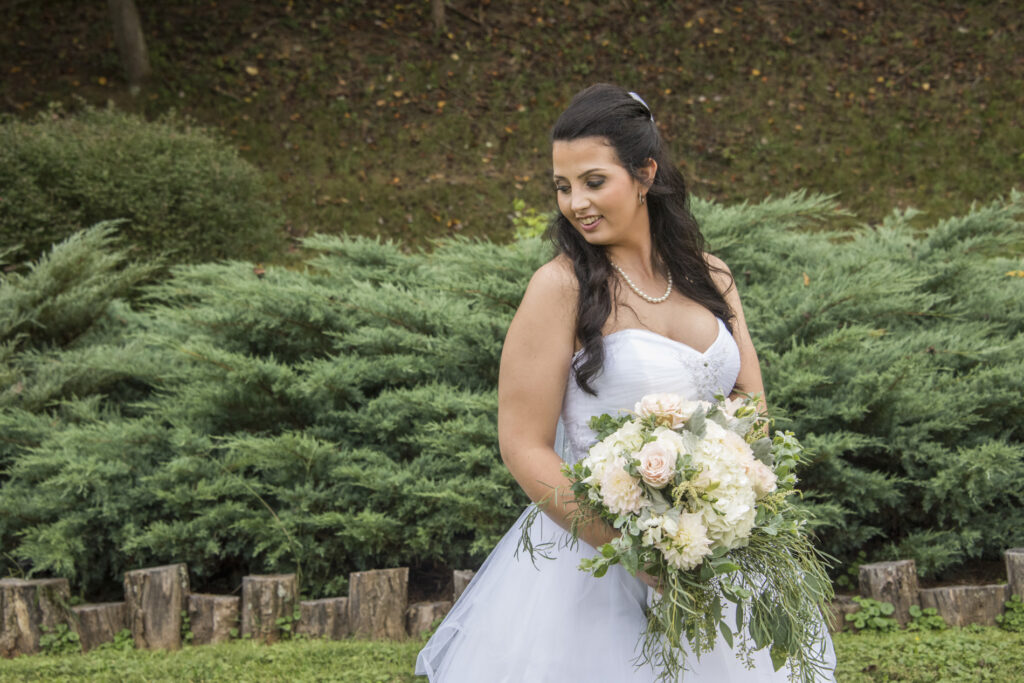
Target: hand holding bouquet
x,y
702,500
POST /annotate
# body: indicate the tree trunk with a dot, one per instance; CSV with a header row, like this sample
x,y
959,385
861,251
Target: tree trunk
x,y
327,618
963,605
421,616
131,41
265,599
460,582
99,623
377,601
156,597
26,607
211,617
1015,571
894,582
437,12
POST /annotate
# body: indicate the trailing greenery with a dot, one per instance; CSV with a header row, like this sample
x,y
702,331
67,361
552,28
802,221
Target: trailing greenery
x,y
342,417
970,654
180,189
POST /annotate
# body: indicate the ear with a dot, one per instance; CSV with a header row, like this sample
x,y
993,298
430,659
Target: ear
x,y
647,173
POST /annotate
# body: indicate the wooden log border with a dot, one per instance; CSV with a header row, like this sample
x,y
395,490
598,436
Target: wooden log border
x,y
332,617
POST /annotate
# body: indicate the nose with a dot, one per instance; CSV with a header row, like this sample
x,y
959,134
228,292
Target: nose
x,y
580,200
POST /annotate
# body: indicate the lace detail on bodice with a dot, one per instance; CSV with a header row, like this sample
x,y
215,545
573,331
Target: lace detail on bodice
x,y
639,362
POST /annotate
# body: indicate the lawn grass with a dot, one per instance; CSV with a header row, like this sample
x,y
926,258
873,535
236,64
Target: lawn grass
x,y
365,120
970,654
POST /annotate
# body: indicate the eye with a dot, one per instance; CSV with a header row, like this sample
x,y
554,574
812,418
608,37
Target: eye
x,y
564,189
595,183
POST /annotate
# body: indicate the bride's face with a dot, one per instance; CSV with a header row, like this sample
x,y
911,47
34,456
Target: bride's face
x,y
596,193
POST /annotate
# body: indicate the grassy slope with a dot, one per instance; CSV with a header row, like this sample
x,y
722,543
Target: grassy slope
x,y
365,120
956,655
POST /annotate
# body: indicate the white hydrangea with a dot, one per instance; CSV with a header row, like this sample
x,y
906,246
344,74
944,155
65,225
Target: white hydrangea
x,y
724,457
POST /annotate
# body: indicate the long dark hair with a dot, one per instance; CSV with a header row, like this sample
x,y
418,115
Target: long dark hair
x,y
610,112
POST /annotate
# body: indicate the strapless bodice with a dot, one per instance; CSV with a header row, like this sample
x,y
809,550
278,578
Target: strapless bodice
x,y
639,362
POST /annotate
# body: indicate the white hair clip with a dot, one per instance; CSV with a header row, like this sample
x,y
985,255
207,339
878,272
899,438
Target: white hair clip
x,y
641,101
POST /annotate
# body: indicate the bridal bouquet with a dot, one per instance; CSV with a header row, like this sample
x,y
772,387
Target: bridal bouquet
x,y
703,501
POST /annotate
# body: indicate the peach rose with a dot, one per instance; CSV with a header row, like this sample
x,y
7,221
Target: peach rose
x,y
657,464
672,410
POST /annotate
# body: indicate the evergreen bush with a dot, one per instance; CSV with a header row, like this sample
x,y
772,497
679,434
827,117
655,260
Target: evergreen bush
x,y
181,190
342,417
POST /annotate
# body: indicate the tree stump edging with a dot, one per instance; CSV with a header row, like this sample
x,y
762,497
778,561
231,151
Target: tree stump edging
x,y
324,618
420,616
892,582
460,582
266,598
1014,559
963,605
98,623
212,618
26,607
156,597
377,601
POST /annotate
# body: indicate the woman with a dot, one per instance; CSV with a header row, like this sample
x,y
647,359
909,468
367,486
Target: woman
x,y
631,305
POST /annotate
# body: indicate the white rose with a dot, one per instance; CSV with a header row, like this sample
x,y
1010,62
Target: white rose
x,y
672,410
657,464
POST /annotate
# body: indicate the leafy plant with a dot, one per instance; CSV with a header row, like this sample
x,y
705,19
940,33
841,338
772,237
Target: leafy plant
x,y
122,642
186,628
873,616
1013,618
59,640
927,619
286,624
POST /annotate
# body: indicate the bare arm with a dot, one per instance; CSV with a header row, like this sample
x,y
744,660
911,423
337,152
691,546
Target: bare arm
x,y
749,380
535,364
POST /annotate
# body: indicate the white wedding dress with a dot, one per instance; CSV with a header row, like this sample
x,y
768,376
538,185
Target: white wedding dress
x,y
525,622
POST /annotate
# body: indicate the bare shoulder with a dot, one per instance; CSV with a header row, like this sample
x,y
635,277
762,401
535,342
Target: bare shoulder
x,y
720,273
550,295
556,274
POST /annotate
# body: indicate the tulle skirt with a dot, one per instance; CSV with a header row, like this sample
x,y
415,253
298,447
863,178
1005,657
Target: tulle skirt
x,y
520,621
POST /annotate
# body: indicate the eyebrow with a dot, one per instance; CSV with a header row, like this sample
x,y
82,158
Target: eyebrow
x,y
581,175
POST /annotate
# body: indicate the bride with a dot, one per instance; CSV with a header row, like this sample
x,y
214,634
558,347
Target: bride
x,y
631,305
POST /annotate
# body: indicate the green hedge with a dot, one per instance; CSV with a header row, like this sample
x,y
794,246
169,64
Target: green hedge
x,y
342,417
181,189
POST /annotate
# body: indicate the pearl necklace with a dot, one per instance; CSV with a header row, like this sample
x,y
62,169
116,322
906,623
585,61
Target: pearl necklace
x,y
646,297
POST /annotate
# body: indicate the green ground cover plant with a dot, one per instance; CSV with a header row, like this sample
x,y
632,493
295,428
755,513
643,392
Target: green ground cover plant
x,y
970,654
366,120
341,416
